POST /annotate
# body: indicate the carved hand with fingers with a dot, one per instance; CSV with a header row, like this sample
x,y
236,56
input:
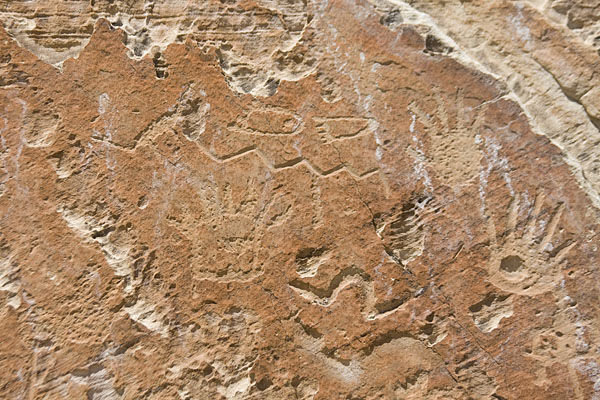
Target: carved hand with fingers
x,y
452,132
519,262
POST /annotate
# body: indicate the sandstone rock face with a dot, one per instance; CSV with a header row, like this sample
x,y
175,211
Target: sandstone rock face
x,y
299,199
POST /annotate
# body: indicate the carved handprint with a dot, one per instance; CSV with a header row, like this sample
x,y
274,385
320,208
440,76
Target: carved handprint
x,y
227,229
518,262
455,154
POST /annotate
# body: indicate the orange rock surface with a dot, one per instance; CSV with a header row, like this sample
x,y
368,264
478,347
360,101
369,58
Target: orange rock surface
x,y
299,200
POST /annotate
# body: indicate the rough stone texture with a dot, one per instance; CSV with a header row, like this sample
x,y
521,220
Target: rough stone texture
x,y
299,199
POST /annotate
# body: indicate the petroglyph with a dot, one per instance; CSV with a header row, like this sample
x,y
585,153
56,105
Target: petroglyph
x,y
522,262
332,129
402,229
190,115
452,132
366,365
232,225
277,200
349,277
270,121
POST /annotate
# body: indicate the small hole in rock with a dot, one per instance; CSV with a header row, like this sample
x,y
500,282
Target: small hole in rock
x,y
511,263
